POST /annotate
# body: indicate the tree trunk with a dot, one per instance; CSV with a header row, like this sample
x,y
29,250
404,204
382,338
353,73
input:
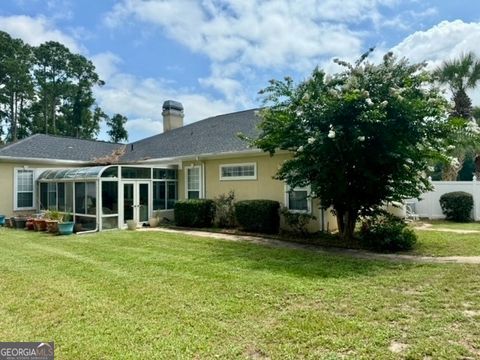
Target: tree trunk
x,y
346,221
450,172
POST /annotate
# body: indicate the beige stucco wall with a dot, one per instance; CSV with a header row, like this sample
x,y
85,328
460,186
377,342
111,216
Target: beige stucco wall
x,y
7,184
264,187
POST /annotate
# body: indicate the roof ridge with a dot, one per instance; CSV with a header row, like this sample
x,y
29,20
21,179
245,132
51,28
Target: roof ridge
x,y
193,123
74,138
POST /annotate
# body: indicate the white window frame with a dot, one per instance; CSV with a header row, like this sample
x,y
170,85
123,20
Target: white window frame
x,y
234,178
15,189
309,199
200,184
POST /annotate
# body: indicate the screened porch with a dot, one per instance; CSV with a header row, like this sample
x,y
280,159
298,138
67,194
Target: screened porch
x,y
106,197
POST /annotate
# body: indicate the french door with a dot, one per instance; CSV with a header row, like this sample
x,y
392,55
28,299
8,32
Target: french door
x,y
136,195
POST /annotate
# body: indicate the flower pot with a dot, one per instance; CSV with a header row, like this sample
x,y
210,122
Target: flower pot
x,y
30,224
40,224
65,228
20,222
153,222
131,224
52,226
2,220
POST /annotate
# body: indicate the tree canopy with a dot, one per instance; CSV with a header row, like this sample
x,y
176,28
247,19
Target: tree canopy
x,y
47,89
360,138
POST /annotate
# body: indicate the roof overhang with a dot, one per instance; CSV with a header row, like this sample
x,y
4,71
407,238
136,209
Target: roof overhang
x,y
207,156
13,159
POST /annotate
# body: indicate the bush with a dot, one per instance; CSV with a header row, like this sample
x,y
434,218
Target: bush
x,y
387,233
195,213
258,215
225,210
457,206
297,222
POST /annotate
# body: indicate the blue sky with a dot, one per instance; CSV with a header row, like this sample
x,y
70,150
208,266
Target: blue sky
x,y
214,55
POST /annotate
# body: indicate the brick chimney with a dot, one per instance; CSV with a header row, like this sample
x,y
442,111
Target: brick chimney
x,y
172,115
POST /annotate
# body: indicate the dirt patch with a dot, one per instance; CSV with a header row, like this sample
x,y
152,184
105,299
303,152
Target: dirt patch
x,y
397,347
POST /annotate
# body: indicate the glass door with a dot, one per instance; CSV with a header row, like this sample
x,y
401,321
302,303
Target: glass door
x,y
136,202
142,202
128,201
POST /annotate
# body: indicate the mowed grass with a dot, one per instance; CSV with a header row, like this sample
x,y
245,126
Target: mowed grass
x,y
140,295
441,243
445,224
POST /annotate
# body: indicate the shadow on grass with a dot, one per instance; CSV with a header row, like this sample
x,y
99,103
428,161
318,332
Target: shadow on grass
x,y
301,263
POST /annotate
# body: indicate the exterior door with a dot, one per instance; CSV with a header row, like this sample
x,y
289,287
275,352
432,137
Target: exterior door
x,y
136,204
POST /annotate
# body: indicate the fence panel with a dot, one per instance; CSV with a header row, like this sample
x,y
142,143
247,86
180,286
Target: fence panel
x,y
429,204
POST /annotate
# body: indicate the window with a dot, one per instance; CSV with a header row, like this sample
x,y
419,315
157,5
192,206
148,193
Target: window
x,y
165,195
80,198
44,196
136,173
52,196
24,189
61,196
193,183
298,200
109,197
238,171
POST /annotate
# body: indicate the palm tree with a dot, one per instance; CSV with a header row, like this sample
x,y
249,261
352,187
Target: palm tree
x,y
460,74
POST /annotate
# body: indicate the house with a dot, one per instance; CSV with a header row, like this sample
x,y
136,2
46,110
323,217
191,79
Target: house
x,y
200,160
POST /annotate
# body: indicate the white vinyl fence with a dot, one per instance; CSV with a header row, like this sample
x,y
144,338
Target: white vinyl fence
x,y
429,205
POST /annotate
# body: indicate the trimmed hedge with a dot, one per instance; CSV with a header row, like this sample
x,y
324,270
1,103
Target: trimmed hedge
x,y
457,206
387,233
195,213
258,215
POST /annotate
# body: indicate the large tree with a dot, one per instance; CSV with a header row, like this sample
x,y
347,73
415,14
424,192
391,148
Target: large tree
x,y
16,91
117,131
360,138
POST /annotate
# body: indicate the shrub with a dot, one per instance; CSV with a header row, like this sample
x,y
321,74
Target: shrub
x,y
225,210
194,213
457,205
387,233
258,215
297,221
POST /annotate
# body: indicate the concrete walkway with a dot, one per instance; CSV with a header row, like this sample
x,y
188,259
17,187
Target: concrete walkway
x,y
429,227
359,254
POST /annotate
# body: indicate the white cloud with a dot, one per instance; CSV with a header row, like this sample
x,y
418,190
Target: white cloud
x,y
36,30
446,40
106,64
141,101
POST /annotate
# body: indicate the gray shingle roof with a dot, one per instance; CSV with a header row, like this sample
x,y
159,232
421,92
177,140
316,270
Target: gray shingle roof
x,y
218,134
41,146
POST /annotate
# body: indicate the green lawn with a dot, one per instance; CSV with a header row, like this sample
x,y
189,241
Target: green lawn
x,y
445,224
138,295
439,243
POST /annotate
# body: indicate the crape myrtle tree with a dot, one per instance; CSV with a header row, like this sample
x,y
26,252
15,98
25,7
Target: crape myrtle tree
x,y
360,138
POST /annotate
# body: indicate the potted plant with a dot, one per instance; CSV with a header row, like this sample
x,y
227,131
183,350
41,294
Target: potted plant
x,y
52,218
65,227
30,224
154,220
20,222
132,224
39,223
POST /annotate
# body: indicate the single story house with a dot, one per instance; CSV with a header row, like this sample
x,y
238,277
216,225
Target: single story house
x,y
200,160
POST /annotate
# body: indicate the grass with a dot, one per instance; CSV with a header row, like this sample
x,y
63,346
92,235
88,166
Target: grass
x,y
439,243
137,295
445,224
